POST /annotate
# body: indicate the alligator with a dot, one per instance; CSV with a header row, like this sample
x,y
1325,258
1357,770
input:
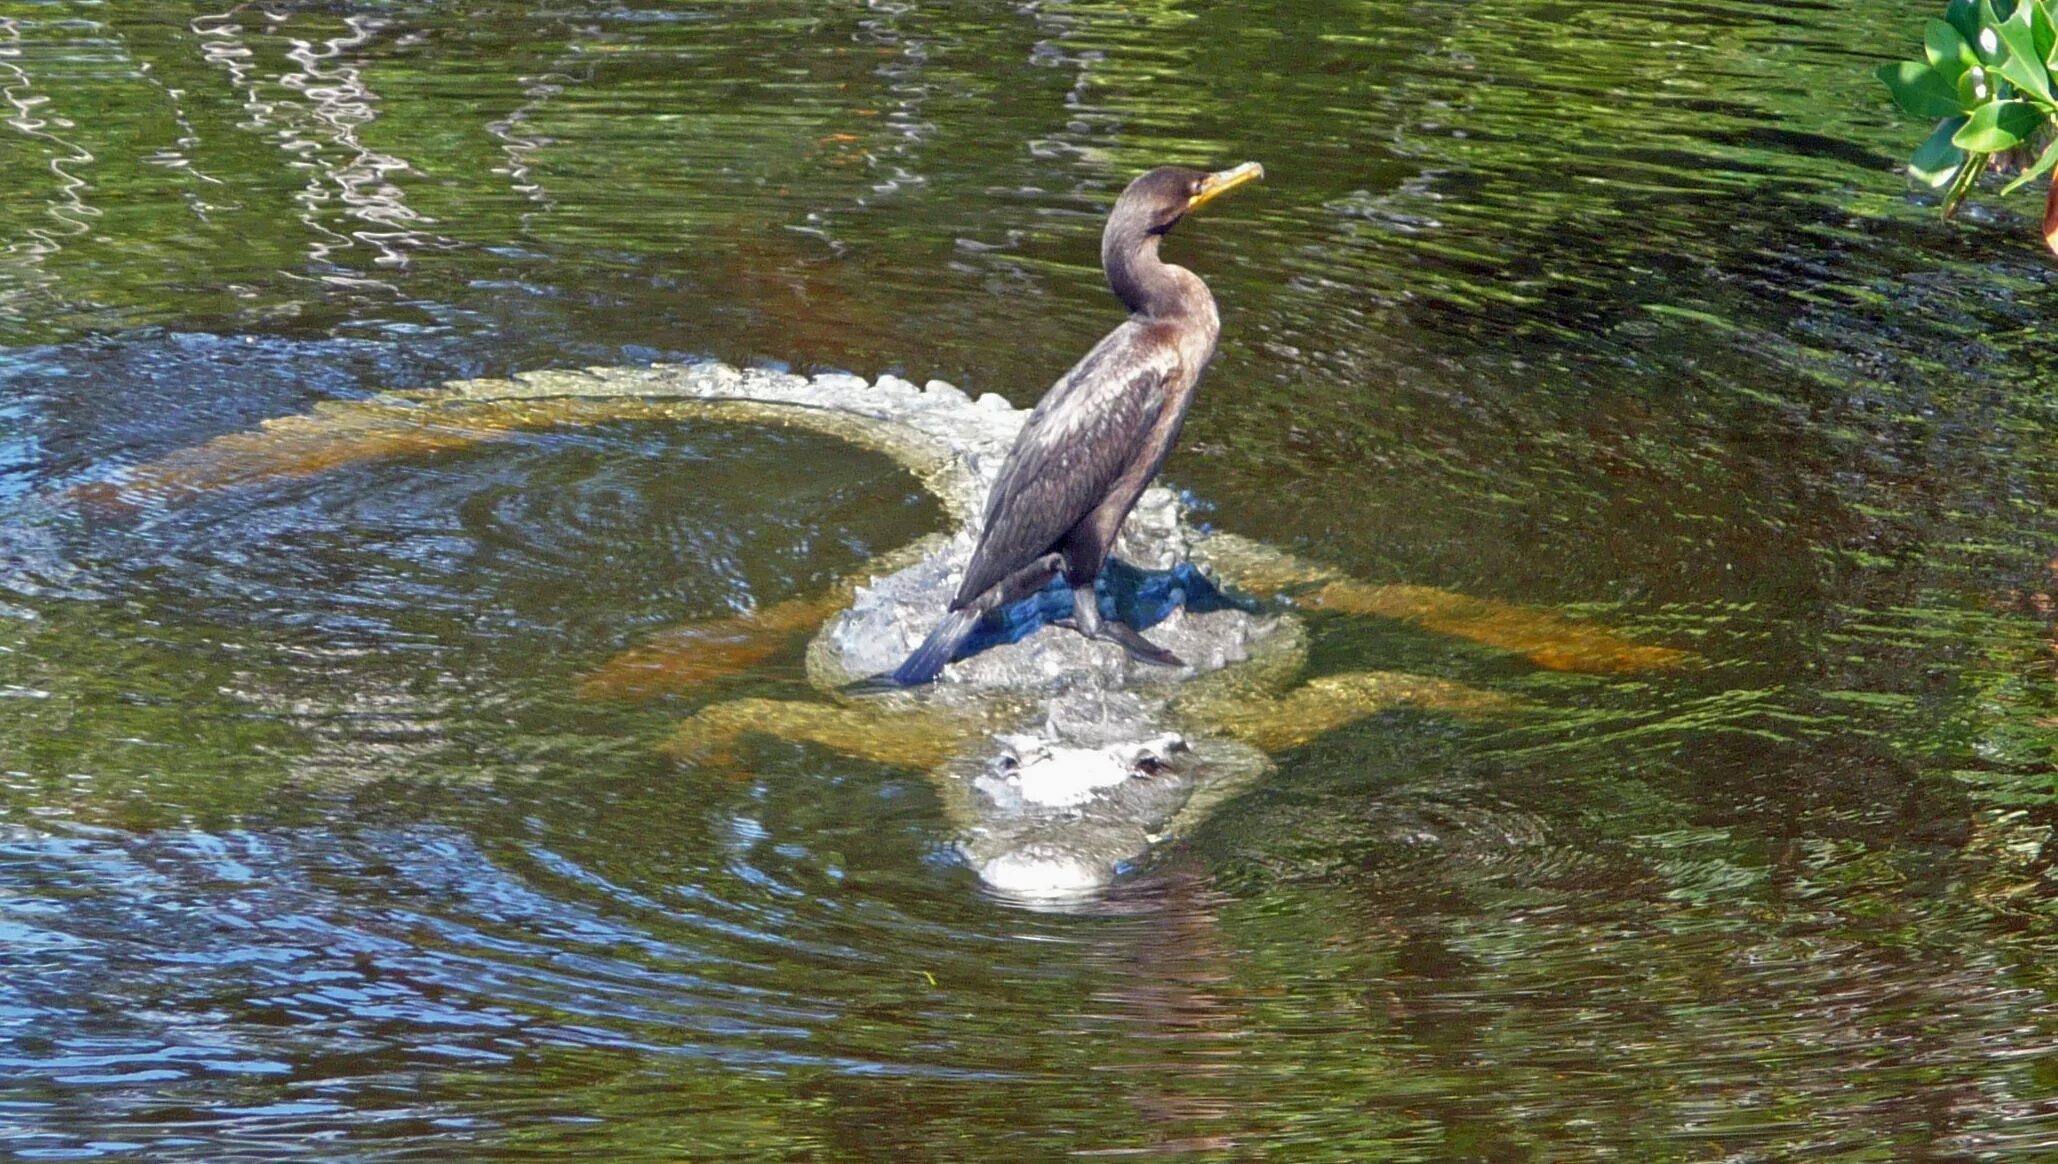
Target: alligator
x,y
1060,761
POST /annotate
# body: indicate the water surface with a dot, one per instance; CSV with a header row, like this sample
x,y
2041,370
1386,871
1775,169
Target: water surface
x,y
309,848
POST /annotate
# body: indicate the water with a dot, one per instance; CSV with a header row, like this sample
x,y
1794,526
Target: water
x,y
309,848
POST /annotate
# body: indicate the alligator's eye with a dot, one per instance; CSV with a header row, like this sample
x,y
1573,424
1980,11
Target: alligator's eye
x,y
1175,744
1149,765
1009,762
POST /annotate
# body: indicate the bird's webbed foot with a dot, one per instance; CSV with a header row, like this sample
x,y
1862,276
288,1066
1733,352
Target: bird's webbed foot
x,y
1087,621
1141,649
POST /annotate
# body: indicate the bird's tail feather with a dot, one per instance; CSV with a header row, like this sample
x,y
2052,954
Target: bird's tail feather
x,y
938,649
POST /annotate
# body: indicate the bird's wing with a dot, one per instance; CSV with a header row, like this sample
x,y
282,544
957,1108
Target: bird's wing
x,y
1082,436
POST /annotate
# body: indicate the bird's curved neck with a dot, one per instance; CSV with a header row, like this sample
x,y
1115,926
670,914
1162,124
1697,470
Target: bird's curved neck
x,y
1147,285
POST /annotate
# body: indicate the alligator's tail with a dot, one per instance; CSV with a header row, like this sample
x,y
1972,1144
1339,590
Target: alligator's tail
x,y
938,649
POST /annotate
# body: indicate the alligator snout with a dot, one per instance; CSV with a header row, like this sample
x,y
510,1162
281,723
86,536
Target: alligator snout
x,y
1059,820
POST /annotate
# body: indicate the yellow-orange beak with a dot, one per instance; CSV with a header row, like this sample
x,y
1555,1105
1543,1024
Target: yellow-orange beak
x,y
1217,184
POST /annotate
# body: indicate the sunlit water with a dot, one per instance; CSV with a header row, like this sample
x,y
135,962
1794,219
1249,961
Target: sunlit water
x,y
309,848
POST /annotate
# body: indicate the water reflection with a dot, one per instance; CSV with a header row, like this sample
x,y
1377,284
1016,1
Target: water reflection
x,y
69,209
327,107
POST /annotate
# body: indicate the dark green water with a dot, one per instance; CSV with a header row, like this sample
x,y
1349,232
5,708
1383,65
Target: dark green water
x,y
308,850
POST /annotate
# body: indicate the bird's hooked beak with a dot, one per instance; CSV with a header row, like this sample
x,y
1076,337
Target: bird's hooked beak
x,y
1222,182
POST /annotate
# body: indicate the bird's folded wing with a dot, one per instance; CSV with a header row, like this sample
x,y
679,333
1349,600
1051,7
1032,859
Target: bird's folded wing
x,y
1080,439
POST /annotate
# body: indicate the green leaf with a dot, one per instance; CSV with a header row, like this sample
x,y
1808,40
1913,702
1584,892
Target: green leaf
x,y
1997,126
1936,161
1963,15
1920,89
1975,87
1947,51
2021,60
2045,161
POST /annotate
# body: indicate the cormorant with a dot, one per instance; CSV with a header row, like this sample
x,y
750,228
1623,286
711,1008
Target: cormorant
x,y
1099,435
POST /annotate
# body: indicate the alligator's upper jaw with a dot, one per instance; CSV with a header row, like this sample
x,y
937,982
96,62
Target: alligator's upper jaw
x,y
1044,878
1054,822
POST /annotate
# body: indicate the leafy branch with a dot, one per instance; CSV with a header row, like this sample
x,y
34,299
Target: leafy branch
x,y
1986,75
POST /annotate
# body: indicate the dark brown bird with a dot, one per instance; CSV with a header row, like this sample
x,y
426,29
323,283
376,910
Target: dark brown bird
x,y
1100,434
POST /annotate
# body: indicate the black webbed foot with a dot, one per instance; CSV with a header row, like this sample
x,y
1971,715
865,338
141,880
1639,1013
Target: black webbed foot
x,y
1128,638
1139,648
1086,619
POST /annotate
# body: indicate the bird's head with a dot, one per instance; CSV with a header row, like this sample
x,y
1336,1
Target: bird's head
x,y
1156,201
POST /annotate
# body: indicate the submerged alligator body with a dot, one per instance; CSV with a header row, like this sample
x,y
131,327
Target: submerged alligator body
x,y
1060,759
